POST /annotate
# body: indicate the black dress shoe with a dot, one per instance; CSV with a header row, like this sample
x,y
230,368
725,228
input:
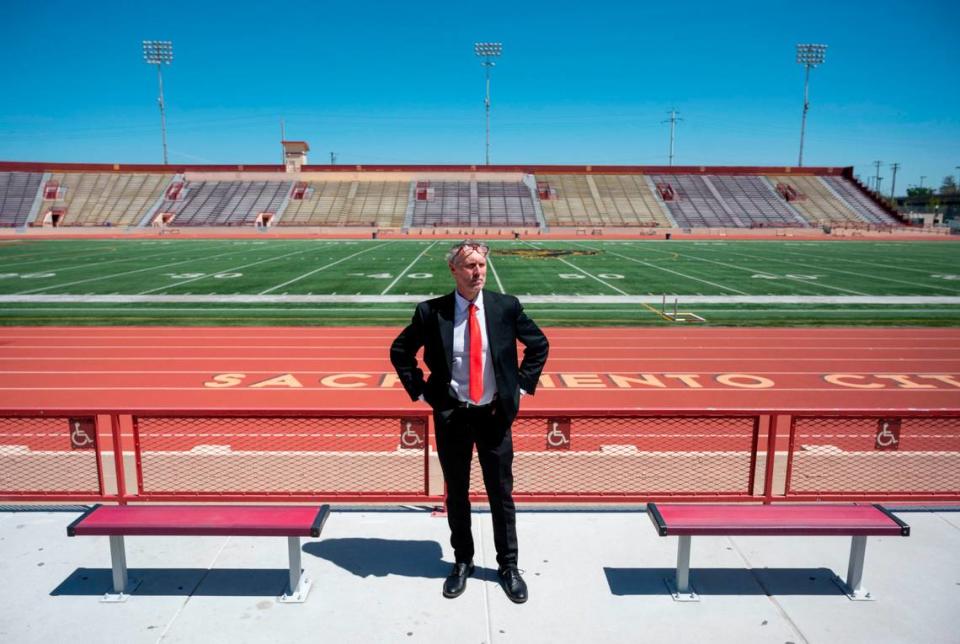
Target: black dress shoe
x,y
456,583
513,584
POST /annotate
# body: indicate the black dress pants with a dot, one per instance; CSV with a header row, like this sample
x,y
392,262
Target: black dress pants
x,y
457,431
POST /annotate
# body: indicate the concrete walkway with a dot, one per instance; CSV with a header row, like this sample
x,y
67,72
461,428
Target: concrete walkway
x,y
594,576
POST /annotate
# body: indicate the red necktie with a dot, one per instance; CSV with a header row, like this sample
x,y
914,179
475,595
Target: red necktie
x,y
476,356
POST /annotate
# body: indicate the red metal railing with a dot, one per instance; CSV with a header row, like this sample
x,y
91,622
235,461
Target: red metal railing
x,y
598,456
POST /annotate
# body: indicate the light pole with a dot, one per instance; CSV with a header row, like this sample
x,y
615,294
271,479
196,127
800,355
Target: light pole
x,y
488,51
808,56
159,53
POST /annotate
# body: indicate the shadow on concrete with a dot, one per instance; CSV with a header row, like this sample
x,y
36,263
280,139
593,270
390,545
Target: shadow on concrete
x,y
368,557
220,582
726,581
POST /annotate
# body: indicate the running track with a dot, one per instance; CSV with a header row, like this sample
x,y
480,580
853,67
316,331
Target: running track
x,y
324,368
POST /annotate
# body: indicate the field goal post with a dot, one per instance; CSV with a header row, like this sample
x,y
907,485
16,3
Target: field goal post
x,y
676,315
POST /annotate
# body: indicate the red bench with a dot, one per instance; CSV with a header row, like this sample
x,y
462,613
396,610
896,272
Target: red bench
x,y
856,521
117,522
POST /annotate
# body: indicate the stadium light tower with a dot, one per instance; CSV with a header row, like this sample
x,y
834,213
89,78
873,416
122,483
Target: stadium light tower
x,y
488,51
809,56
159,53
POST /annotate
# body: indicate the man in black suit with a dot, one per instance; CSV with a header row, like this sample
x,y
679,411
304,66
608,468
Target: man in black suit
x,y
469,339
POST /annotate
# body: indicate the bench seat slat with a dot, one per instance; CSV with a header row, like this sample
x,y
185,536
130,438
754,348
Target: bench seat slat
x,y
202,520
786,520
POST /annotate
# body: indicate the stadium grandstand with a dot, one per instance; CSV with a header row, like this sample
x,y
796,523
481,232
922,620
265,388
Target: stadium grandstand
x,y
543,198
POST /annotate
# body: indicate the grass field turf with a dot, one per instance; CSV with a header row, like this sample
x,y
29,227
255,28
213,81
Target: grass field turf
x,y
307,282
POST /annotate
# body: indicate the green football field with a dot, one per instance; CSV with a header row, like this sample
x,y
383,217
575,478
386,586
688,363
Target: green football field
x,y
577,282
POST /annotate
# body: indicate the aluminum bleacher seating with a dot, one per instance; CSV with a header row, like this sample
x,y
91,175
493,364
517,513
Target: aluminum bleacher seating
x,y
815,201
347,203
599,200
99,199
696,203
225,203
473,203
861,204
18,190
755,201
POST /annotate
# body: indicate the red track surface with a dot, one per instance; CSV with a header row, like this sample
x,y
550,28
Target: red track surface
x,y
120,368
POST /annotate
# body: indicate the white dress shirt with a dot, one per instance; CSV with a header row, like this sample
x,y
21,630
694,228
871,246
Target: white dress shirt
x,y
460,363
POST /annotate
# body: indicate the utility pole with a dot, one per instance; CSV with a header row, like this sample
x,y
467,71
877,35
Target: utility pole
x,y
893,181
283,137
673,125
876,179
333,158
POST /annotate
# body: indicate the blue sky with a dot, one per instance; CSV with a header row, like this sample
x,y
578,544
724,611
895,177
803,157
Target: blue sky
x,y
398,82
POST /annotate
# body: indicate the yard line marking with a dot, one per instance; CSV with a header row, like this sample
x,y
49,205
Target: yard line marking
x,y
714,261
317,270
661,268
226,270
871,276
588,274
495,275
64,298
935,267
96,265
138,270
591,276
781,261
409,266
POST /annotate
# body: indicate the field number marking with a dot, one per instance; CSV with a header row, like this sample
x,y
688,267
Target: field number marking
x,y
788,276
195,276
25,276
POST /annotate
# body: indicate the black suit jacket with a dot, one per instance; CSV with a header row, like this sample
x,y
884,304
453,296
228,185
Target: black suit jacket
x,y
432,329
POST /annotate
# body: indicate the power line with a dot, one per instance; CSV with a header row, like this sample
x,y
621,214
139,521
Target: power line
x,y
674,117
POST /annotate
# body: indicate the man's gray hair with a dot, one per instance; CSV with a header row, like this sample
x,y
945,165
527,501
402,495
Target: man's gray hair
x,y
466,243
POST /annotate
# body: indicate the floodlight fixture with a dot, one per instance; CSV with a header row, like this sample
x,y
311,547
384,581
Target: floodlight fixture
x,y
488,48
159,53
809,55
156,52
488,51
812,55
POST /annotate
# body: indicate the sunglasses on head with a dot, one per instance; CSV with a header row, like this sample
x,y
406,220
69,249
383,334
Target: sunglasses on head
x,y
468,247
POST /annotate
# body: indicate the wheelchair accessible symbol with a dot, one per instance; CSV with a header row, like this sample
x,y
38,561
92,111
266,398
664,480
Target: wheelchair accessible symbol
x,y
413,433
558,433
888,434
83,432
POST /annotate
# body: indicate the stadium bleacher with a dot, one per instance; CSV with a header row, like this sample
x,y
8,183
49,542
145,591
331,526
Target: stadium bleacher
x,y
98,199
601,200
863,205
472,203
18,192
347,203
224,203
815,201
405,197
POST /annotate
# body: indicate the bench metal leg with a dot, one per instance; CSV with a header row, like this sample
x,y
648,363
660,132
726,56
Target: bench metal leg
x,y
853,587
299,583
122,584
680,587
